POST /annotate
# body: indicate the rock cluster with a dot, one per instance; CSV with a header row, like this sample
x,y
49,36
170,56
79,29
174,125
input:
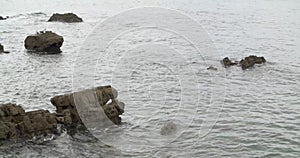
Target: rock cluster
x,y
245,63
2,49
67,17
15,123
44,41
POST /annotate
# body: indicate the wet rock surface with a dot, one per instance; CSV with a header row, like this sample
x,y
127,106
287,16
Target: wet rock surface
x,y
250,61
15,123
44,41
245,63
67,111
2,49
67,17
227,62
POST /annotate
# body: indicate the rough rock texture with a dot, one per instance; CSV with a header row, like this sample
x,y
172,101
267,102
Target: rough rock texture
x,y
250,61
44,42
67,17
2,49
246,63
15,123
67,111
227,62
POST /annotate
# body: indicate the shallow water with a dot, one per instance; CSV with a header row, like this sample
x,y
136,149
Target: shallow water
x,y
228,113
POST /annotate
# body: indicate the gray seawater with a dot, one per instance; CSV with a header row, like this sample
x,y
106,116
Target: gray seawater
x,y
252,113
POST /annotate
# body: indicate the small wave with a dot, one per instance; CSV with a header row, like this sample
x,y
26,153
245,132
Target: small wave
x,y
35,14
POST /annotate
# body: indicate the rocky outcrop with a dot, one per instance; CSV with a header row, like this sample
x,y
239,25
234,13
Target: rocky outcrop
x,y
250,61
15,123
44,41
67,17
3,18
227,62
245,63
66,107
2,49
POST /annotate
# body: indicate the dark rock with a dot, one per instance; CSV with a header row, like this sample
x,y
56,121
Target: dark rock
x,y
227,62
44,41
2,49
67,17
15,123
11,109
4,130
250,61
66,108
2,18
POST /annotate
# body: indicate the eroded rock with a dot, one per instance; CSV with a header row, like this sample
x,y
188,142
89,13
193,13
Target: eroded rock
x,y
67,17
227,62
66,107
44,41
250,61
245,63
15,123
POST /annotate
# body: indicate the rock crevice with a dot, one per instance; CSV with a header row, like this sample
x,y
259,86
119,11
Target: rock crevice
x,y
15,123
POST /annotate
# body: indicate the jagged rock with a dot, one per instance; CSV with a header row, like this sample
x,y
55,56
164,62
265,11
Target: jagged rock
x,y
227,62
2,49
15,123
67,17
250,61
44,41
65,104
12,109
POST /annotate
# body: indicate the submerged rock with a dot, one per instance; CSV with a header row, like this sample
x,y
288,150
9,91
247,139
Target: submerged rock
x,y
2,49
212,68
44,41
250,61
67,17
168,128
227,62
